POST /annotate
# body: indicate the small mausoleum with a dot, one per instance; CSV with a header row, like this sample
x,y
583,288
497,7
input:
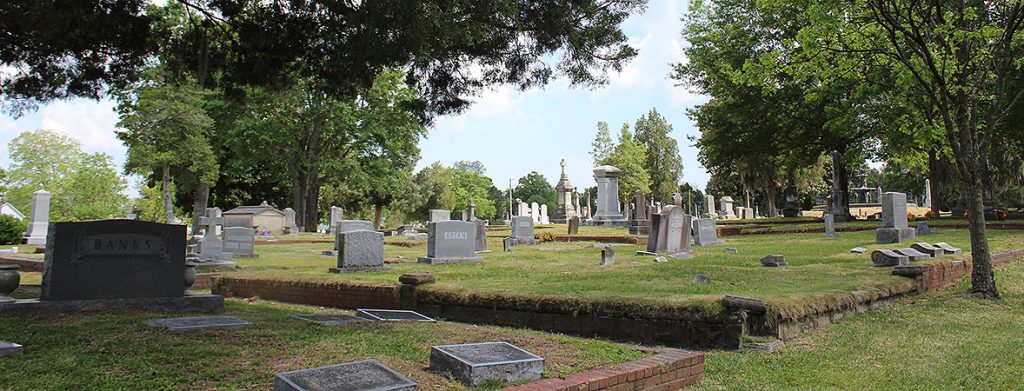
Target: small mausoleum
x,y
260,217
6,208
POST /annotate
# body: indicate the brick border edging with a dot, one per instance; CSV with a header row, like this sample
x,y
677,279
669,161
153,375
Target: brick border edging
x,y
635,240
327,294
670,369
938,275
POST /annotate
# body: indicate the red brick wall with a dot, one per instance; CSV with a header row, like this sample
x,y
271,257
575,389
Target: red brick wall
x,y
336,294
935,276
672,369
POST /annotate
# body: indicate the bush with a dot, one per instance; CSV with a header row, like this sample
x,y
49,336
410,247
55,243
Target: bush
x,y
11,229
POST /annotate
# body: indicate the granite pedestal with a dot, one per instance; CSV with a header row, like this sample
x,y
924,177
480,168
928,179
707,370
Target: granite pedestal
x,y
476,363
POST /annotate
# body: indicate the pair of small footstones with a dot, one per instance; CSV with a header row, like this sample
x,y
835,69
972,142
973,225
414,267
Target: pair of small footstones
x,y
916,252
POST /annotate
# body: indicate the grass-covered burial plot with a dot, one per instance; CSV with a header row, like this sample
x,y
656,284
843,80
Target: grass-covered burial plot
x,y
107,351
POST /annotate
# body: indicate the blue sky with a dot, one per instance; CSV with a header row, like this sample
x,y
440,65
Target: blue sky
x,y
511,132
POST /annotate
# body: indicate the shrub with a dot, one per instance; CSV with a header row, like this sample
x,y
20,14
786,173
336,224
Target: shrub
x,y
11,229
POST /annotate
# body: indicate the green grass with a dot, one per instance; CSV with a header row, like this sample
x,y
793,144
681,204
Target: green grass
x,y
942,340
118,350
819,267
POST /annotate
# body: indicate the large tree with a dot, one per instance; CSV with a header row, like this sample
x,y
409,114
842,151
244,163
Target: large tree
x,y
630,157
663,163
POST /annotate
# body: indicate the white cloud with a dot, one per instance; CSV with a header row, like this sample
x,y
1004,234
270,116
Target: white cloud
x,y
90,122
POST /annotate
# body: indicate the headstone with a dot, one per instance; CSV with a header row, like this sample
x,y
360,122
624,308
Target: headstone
x,y
567,203
947,248
477,363
726,207
382,315
440,215
522,230
198,322
360,251
405,230
506,244
451,242
465,215
607,256
894,220
791,205
114,259
481,236
210,246
365,375
544,219
240,242
574,225
830,226
608,213
709,203
329,320
39,222
928,249
289,220
471,211
706,233
336,216
677,199
654,234
640,223
928,193
923,228
10,349
858,250
884,258
662,242
677,230
774,261
535,212
913,254
354,225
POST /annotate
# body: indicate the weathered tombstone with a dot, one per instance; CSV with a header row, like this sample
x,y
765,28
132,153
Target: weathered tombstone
x,y
884,258
477,363
927,194
198,322
830,226
774,260
336,216
923,228
677,230
360,251
544,219
40,220
506,244
440,215
608,213
928,249
727,210
289,221
522,230
574,225
535,212
709,203
329,320
481,236
947,248
471,211
655,233
662,243
10,349
894,220
240,242
706,233
639,223
607,256
451,242
913,254
210,246
365,375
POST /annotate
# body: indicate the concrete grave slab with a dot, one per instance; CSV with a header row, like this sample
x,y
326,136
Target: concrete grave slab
x,y
884,258
928,249
858,250
476,363
913,254
329,320
393,315
365,375
198,322
947,248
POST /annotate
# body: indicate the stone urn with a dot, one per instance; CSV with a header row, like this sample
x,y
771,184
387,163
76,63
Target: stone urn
x,y
9,281
190,275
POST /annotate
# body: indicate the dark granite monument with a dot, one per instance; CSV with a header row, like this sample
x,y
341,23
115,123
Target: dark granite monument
x,y
115,265
360,251
522,230
363,375
476,363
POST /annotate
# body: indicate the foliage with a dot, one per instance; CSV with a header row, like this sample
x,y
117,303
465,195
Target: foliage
x,y
603,145
535,188
663,163
434,185
11,229
630,157
150,204
470,183
84,186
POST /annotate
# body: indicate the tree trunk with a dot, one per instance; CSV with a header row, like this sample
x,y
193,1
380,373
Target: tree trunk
x,y
771,199
840,206
377,215
168,205
199,201
983,281
935,181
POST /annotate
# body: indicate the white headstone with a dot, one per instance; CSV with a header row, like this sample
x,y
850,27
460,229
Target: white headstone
x,y
39,222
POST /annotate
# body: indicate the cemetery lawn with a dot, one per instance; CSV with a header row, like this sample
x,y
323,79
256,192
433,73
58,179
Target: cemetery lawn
x,y
119,351
821,269
941,340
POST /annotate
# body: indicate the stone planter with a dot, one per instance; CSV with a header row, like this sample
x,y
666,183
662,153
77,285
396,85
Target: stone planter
x,y
190,275
10,278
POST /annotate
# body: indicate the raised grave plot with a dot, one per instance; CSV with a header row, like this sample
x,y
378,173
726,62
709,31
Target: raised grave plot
x,y
329,320
198,322
366,375
393,315
476,363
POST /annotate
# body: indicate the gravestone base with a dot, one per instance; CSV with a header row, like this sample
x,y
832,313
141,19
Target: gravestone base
x,y
358,269
216,265
357,375
607,223
441,261
639,229
894,235
200,303
477,363
9,349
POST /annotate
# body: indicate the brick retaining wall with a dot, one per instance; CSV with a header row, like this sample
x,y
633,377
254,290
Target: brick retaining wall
x,y
672,369
27,265
334,294
937,275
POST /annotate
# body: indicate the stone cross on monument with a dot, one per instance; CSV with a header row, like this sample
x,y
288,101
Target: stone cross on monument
x,y
211,247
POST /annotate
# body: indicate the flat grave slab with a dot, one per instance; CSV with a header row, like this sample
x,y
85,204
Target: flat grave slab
x,y
928,249
475,363
947,248
8,349
198,322
365,375
913,254
392,315
329,320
